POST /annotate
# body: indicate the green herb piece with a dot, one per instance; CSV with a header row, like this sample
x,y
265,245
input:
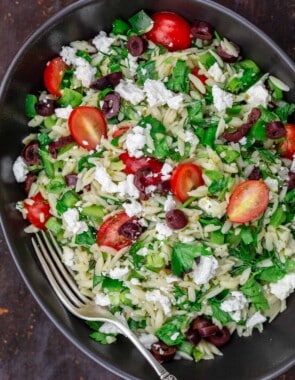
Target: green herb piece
x,y
146,70
56,185
216,237
285,111
30,103
183,255
271,274
68,200
103,93
70,98
103,338
97,279
67,79
253,290
246,235
137,260
84,163
195,112
136,325
84,55
86,238
186,348
213,175
207,60
120,27
179,81
43,139
141,22
278,217
170,329
234,110
290,196
227,154
112,285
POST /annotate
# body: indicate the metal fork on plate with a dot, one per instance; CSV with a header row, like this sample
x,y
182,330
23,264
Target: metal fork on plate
x,y
65,287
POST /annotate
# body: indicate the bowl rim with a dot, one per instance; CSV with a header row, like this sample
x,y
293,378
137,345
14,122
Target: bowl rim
x,y
42,29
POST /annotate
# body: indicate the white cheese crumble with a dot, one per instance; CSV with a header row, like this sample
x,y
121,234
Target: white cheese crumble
x,y
163,231
166,171
102,42
175,102
68,55
148,340
221,99
118,273
216,73
102,299
133,208
156,296
63,113
71,222
105,180
130,92
68,256
255,319
284,287
127,187
131,63
20,169
158,95
135,141
257,95
205,269
212,207
109,328
169,203
84,71
234,304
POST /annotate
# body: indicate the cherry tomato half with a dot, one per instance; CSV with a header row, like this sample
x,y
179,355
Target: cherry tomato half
x,y
108,234
132,164
53,75
287,147
170,30
87,126
248,201
120,132
185,178
38,211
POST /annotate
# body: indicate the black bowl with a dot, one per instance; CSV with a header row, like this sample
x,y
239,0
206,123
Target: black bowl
x,y
262,356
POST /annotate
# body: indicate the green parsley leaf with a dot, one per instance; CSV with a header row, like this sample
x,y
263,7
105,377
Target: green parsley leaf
x,y
179,81
253,290
146,70
171,328
285,111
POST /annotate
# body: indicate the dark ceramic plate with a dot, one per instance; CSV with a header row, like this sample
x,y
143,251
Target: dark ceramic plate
x,y
262,356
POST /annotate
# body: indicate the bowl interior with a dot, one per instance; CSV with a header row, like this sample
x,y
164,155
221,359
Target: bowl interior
x,y
261,356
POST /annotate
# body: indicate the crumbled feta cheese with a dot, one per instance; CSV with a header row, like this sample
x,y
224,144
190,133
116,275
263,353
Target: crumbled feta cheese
x,y
105,180
257,95
84,71
284,287
158,95
20,169
102,42
134,281
133,208
163,231
117,273
175,102
102,299
71,222
255,319
130,92
127,187
68,256
166,171
135,141
63,113
212,207
221,99
156,296
205,269
216,73
132,64
272,184
169,203
109,328
68,55
148,340
234,304
191,137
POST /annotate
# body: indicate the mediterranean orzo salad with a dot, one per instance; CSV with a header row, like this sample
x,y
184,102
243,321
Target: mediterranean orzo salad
x,y
162,160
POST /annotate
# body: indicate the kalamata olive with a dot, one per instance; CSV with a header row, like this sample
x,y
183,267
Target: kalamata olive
x,y
202,30
238,134
255,173
220,338
111,105
162,352
227,56
193,336
28,182
140,178
291,181
200,322
71,180
110,80
30,153
61,142
207,330
176,219
254,115
164,187
45,107
275,130
136,45
130,230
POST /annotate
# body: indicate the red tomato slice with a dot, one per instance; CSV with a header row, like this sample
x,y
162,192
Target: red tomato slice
x,y
108,234
119,132
53,74
287,147
38,211
185,178
170,30
195,72
248,201
87,126
132,164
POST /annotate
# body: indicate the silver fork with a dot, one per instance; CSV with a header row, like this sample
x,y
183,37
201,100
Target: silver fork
x,y
61,279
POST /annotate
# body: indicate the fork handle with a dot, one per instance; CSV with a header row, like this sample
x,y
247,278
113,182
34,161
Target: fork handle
x,y
160,370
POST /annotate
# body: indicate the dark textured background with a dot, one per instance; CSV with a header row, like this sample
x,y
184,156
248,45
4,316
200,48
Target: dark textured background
x,y
31,348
